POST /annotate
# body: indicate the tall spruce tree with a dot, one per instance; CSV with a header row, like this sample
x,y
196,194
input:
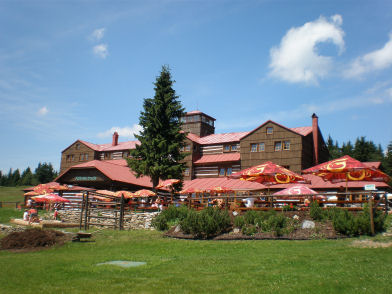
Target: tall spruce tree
x,y
158,155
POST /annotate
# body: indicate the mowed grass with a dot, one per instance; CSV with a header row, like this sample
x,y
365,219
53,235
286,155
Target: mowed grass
x,y
187,266
12,194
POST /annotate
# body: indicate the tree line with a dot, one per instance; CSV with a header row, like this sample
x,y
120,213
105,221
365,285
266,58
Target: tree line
x,y
44,173
362,150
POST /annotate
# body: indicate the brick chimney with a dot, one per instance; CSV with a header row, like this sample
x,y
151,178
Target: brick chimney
x,y
315,139
115,139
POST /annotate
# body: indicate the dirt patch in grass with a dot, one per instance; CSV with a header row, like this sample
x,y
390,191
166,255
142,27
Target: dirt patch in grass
x,y
371,244
32,239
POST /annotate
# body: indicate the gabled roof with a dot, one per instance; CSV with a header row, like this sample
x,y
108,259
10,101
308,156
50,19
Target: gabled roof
x,y
225,157
303,131
115,170
193,112
108,146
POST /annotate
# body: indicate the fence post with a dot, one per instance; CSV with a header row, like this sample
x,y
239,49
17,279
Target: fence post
x,y
371,213
121,212
86,213
81,211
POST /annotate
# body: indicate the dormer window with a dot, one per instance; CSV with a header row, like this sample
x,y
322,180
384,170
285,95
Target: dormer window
x,y
270,130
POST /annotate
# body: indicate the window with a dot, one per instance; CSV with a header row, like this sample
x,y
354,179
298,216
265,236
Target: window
x,y
222,171
68,159
77,146
108,155
233,147
81,157
226,148
270,130
86,156
182,148
188,147
186,172
286,145
261,147
253,147
278,146
229,171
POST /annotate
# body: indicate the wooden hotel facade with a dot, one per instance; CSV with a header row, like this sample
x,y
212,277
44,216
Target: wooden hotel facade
x,y
210,155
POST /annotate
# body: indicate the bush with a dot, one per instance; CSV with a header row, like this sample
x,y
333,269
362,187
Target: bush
x,y
171,215
316,213
249,230
356,225
251,217
239,221
207,223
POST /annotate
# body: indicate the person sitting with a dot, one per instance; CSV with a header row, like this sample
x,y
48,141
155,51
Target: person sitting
x,y
33,215
26,215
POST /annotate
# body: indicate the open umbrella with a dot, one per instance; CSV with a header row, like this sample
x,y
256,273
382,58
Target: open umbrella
x,y
43,189
269,173
144,193
106,192
127,194
49,198
346,169
168,183
191,190
298,190
31,193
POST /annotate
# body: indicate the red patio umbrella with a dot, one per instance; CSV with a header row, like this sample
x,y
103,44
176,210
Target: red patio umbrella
x,y
269,173
192,190
144,193
106,192
127,194
43,189
168,183
346,169
298,190
49,198
31,193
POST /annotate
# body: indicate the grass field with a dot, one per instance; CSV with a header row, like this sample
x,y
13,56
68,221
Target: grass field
x,y
12,194
183,266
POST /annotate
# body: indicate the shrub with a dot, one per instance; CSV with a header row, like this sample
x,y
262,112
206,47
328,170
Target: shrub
x,y
251,217
207,223
172,215
289,207
239,221
316,213
249,230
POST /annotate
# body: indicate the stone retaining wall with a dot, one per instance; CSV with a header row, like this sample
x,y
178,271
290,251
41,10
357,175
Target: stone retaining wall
x,y
6,229
132,220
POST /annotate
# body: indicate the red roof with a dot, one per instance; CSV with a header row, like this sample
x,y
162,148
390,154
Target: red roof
x,y
109,147
209,183
116,170
375,164
304,131
217,138
225,157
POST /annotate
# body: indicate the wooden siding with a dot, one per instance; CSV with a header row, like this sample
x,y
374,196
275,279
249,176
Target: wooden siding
x,y
290,158
76,150
199,128
212,171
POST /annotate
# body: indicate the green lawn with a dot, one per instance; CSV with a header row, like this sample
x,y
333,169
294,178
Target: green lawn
x,y
181,266
12,194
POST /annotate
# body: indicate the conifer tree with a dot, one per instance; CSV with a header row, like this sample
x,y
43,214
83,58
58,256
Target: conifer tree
x,y
158,155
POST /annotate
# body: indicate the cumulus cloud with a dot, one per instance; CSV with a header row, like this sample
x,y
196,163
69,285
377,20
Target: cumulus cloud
x,y
101,51
373,61
43,111
97,34
296,59
126,132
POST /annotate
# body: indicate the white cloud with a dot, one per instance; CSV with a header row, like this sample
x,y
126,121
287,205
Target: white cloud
x,y
43,111
373,61
101,51
127,132
296,59
98,34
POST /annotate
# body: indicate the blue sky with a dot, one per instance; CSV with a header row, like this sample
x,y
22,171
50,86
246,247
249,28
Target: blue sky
x,y
80,69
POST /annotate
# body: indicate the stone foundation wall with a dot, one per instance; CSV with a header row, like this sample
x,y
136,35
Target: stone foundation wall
x,y
132,220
